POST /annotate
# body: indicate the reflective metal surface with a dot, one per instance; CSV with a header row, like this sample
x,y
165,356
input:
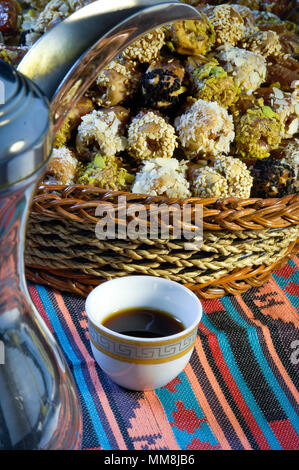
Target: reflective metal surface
x,y
68,58
25,123
39,408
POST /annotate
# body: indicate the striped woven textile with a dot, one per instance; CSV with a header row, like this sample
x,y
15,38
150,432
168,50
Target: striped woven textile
x,y
239,391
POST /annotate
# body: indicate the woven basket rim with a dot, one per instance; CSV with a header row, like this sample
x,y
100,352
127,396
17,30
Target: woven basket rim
x,y
77,203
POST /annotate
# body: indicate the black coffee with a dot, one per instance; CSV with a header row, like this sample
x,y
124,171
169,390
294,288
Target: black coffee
x,y
143,322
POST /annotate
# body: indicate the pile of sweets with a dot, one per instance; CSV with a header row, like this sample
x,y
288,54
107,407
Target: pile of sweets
x,y
206,108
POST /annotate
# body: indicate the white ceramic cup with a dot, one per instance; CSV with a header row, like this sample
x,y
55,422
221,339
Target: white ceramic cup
x,y
142,363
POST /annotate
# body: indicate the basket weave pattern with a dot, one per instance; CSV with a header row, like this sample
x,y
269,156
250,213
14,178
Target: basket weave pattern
x,y
244,241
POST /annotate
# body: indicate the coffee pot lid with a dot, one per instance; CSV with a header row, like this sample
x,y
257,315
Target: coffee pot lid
x,y
25,127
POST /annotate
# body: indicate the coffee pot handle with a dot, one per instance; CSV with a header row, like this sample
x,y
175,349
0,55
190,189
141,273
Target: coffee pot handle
x,y
68,58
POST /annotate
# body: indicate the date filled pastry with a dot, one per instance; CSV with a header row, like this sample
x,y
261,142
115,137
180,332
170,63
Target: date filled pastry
x,y
62,166
150,136
12,54
277,7
117,82
286,105
247,68
283,69
162,83
288,152
210,82
191,37
162,177
102,132
107,172
257,133
10,18
272,178
205,128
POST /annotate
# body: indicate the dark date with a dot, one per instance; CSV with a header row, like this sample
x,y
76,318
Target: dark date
x,y
8,16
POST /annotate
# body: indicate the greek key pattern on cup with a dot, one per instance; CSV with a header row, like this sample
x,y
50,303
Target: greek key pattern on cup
x,y
154,352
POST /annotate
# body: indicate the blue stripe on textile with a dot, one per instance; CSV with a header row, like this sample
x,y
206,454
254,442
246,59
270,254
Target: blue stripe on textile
x,y
245,391
265,368
81,383
185,394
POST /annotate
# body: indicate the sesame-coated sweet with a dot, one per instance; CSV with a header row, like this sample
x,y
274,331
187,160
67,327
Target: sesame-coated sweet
x,y
236,174
162,177
205,128
55,11
208,182
150,136
227,22
147,48
228,176
248,18
102,132
265,43
247,68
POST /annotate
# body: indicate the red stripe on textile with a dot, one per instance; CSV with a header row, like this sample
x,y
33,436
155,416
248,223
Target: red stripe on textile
x,y
39,306
286,434
239,400
211,306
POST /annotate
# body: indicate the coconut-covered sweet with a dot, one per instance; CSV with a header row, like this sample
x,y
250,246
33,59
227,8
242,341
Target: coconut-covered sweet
x,y
107,172
147,48
150,136
272,178
162,83
62,166
227,176
258,131
247,68
162,177
205,128
191,37
102,132
210,82
117,82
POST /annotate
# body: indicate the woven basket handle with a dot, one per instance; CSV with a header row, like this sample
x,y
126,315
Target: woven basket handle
x,y
68,58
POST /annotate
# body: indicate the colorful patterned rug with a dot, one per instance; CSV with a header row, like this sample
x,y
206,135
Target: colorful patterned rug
x,y
239,391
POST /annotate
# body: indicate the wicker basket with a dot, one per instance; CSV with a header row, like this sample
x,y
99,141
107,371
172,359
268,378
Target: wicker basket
x,y
244,241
